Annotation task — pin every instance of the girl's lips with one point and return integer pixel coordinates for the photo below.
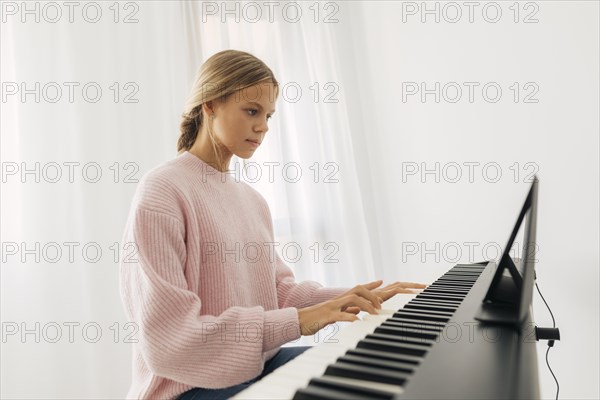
(254, 144)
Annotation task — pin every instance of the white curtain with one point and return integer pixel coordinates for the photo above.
(342, 114)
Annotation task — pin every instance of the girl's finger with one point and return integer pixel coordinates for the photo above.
(345, 317)
(373, 285)
(409, 291)
(406, 285)
(355, 300)
(367, 294)
(413, 285)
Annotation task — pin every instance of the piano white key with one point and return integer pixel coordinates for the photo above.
(349, 336)
(286, 385)
(392, 305)
(295, 374)
(309, 363)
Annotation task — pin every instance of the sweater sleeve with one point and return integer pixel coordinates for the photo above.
(175, 341)
(303, 294)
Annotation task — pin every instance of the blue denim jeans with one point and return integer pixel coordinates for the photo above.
(284, 355)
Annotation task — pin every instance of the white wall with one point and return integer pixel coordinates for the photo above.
(558, 134)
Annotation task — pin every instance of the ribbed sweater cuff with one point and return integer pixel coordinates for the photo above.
(281, 326)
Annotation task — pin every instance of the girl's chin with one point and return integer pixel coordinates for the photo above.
(245, 154)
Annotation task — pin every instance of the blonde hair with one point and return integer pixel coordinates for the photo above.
(219, 77)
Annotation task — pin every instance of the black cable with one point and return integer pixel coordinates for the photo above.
(549, 346)
(548, 364)
(553, 322)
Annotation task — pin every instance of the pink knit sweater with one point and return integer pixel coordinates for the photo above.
(211, 298)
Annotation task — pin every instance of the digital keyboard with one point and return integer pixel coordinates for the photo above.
(424, 346)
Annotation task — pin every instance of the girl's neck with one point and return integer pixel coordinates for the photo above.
(207, 154)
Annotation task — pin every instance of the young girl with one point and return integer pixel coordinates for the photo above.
(211, 319)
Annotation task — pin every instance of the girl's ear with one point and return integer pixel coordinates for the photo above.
(208, 108)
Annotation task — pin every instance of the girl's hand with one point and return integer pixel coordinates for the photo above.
(387, 292)
(393, 289)
(366, 291)
(341, 308)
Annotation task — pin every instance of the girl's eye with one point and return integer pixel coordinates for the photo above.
(253, 110)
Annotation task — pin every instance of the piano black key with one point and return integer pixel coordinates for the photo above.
(431, 307)
(439, 296)
(352, 387)
(442, 289)
(472, 267)
(426, 317)
(462, 273)
(375, 362)
(456, 282)
(473, 276)
(424, 295)
(447, 292)
(442, 292)
(442, 285)
(428, 312)
(455, 303)
(312, 392)
(449, 289)
(469, 267)
(395, 322)
(452, 278)
(464, 286)
(398, 348)
(435, 302)
(447, 285)
(385, 355)
(407, 332)
(353, 371)
(466, 271)
(440, 303)
(457, 277)
(409, 323)
(402, 340)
